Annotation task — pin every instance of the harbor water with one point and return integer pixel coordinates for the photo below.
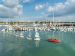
(11, 44)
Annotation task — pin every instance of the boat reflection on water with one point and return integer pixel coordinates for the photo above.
(37, 38)
(37, 42)
(30, 43)
(19, 34)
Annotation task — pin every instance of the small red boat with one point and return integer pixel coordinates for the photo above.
(55, 41)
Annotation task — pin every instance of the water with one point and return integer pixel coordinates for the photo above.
(12, 45)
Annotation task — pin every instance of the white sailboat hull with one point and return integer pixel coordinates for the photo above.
(37, 38)
(29, 38)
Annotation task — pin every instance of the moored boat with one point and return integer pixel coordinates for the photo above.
(54, 41)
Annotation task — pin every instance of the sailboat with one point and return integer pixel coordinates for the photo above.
(37, 37)
(53, 40)
(29, 36)
(21, 35)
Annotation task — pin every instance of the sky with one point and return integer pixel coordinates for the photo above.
(37, 10)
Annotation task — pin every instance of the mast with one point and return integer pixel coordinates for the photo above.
(53, 23)
(29, 34)
(53, 17)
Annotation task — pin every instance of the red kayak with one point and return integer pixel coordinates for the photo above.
(54, 41)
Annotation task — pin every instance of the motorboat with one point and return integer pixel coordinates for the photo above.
(55, 41)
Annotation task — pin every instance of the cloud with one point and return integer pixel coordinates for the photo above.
(26, 1)
(66, 18)
(11, 8)
(11, 3)
(65, 8)
(39, 7)
(56, 7)
(5, 11)
(18, 9)
(59, 9)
